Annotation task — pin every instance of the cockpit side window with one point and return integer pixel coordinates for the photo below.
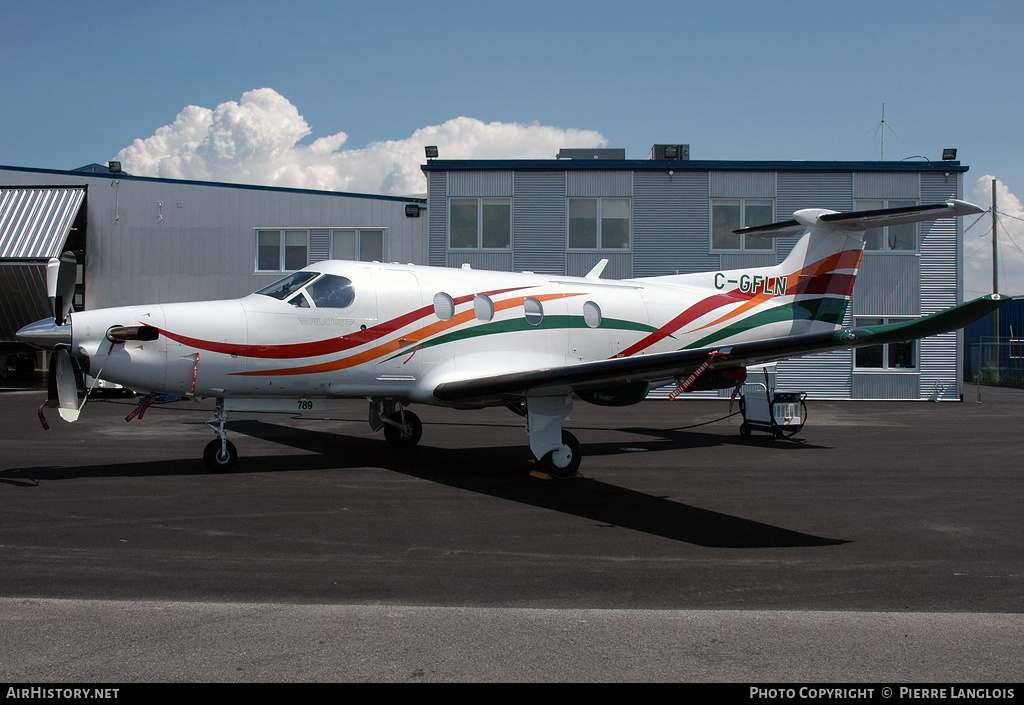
(330, 291)
(283, 288)
(299, 301)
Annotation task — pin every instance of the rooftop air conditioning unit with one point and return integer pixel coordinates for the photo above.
(670, 152)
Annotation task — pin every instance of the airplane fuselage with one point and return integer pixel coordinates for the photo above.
(400, 330)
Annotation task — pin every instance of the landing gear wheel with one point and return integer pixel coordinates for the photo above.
(407, 433)
(218, 461)
(560, 463)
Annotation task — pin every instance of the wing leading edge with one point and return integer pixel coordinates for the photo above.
(663, 367)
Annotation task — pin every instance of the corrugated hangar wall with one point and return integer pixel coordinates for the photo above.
(160, 240)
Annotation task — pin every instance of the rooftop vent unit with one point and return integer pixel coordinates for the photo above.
(670, 152)
(591, 154)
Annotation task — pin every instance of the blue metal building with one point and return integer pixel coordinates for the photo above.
(663, 216)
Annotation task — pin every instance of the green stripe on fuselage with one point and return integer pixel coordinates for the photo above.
(516, 325)
(826, 309)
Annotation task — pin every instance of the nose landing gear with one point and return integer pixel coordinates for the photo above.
(220, 454)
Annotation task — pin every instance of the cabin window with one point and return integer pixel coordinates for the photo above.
(479, 223)
(483, 307)
(598, 223)
(444, 306)
(894, 238)
(731, 214)
(534, 311)
(889, 356)
(592, 314)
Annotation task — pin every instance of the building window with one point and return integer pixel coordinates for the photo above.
(731, 214)
(598, 223)
(893, 238)
(479, 223)
(358, 245)
(890, 356)
(281, 250)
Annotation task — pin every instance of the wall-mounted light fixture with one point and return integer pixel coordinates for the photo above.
(431, 151)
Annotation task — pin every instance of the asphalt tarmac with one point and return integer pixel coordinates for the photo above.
(885, 548)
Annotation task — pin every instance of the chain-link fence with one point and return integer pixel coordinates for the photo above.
(996, 362)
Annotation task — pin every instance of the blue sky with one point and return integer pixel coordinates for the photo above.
(735, 80)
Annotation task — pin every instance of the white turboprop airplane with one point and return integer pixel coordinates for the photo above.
(463, 338)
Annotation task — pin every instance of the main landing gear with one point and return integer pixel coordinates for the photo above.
(402, 428)
(557, 451)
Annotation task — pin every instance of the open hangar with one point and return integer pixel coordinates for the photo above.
(149, 240)
(143, 240)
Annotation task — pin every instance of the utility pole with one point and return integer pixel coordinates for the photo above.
(995, 267)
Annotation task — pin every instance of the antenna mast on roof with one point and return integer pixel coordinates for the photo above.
(880, 129)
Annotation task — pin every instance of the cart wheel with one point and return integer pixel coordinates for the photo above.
(744, 429)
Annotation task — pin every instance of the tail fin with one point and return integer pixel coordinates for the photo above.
(821, 269)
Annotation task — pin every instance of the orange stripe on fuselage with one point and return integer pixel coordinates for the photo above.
(392, 346)
(846, 259)
(840, 260)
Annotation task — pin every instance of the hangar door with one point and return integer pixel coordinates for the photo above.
(36, 224)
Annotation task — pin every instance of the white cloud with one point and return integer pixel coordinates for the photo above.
(978, 243)
(256, 141)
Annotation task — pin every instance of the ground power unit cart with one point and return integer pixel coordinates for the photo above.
(781, 414)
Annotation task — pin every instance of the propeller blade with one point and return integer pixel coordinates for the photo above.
(52, 274)
(67, 388)
(64, 295)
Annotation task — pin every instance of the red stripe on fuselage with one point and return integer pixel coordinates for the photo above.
(327, 346)
(817, 278)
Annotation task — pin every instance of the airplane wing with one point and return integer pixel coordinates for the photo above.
(662, 367)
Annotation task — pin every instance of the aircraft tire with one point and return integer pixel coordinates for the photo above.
(407, 436)
(549, 466)
(211, 456)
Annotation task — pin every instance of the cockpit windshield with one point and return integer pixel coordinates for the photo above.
(327, 291)
(283, 288)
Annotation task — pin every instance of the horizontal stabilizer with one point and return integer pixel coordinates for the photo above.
(858, 221)
(861, 220)
(786, 228)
